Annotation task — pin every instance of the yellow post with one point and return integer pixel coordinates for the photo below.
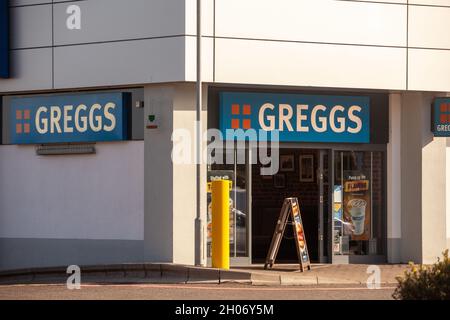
(220, 241)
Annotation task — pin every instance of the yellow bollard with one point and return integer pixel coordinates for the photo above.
(220, 241)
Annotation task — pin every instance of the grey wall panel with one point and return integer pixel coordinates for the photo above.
(119, 63)
(94, 196)
(30, 70)
(110, 20)
(31, 26)
(37, 253)
(2, 124)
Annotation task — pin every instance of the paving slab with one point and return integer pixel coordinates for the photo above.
(233, 276)
(172, 273)
(153, 271)
(203, 275)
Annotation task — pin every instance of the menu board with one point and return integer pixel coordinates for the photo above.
(299, 232)
(290, 213)
(357, 205)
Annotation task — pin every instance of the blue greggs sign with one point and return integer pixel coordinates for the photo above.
(71, 118)
(296, 117)
(4, 39)
(441, 117)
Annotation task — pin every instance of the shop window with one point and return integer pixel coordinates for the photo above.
(234, 170)
(358, 212)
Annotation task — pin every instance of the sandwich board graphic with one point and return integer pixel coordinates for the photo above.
(290, 214)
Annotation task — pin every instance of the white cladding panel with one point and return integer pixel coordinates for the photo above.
(287, 63)
(431, 2)
(207, 59)
(429, 70)
(429, 27)
(316, 21)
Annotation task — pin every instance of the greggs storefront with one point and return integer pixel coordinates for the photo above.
(328, 149)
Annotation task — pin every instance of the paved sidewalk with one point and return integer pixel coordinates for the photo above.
(171, 273)
(323, 274)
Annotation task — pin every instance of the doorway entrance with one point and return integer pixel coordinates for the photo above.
(304, 174)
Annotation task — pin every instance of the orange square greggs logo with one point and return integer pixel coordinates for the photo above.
(23, 121)
(241, 116)
(445, 113)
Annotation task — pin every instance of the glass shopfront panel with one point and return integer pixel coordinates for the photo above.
(358, 208)
(238, 199)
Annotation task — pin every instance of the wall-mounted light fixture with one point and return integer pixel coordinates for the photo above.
(66, 149)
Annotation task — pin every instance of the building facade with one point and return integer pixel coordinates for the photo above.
(93, 93)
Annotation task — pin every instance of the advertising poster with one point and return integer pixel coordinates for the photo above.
(214, 176)
(338, 217)
(357, 205)
(300, 231)
(337, 207)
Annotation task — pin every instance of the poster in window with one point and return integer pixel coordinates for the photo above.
(357, 205)
(213, 176)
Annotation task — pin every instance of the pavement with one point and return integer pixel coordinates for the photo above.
(325, 274)
(255, 275)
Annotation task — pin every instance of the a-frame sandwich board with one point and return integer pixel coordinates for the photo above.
(289, 214)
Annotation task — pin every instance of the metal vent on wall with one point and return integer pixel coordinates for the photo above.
(67, 149)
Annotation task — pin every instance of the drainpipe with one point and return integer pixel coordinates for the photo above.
(200, 240)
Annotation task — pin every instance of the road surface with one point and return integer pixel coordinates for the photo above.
(191, 292)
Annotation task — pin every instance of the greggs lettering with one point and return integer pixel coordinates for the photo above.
(295, 118)
(58, 119)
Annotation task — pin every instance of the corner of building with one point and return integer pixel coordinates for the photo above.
(170, 186)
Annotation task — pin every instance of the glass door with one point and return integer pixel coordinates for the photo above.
(233, 165)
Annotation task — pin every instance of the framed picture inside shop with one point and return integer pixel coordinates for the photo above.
(287, 163)
(279, 181)
(307, 168)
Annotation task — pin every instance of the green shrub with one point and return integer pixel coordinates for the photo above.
(425, 282)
